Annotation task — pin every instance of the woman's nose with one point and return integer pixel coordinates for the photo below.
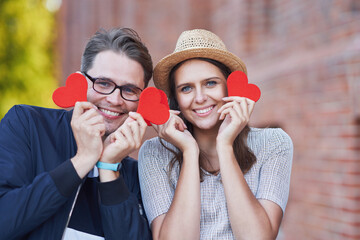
(200, 96)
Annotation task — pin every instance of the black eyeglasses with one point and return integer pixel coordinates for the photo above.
(106, 86)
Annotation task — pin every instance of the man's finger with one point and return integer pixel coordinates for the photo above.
(81, 107)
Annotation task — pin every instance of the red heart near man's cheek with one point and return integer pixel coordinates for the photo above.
(238, 85)
(75, 90)
(153, 106)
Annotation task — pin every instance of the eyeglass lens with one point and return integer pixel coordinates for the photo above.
(128, 92)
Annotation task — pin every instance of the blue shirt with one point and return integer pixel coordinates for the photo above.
(38, 183)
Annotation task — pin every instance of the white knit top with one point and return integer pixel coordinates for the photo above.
(269, 178)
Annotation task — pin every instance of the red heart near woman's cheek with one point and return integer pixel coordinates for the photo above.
(164, 99)
(153, 106)
(238, 85)
(75, 90)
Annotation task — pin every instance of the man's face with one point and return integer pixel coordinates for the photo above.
(121, 70)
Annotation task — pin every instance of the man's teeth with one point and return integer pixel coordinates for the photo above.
(202, 111)
(109, 112)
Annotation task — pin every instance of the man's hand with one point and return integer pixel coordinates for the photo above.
(88, 128)
(126, 139)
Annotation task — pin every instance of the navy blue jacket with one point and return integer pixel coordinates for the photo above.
(38, 182)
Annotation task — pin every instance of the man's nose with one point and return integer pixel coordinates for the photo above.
(115, 98)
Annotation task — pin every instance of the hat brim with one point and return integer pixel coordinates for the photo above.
(164, 66)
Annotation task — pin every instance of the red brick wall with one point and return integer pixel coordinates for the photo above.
(305, 57)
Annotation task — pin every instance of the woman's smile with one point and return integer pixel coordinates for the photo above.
(202, 112)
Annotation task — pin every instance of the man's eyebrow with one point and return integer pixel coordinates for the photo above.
(128, 84)
(104, 78)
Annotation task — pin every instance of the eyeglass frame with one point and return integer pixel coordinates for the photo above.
(92, 79)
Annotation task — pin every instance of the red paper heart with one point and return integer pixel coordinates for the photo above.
(238, 85)
(153, 106)
(75, 90)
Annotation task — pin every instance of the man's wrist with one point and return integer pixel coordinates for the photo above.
(82, 165)
(108, 166)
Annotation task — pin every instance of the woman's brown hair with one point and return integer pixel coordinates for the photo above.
(243, 154)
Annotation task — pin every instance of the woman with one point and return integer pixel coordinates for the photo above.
(210, 176)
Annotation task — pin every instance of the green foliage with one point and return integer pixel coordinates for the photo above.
(27, 69)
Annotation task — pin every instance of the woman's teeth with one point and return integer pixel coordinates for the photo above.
(202, 111)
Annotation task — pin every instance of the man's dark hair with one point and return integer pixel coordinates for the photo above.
(119, 40)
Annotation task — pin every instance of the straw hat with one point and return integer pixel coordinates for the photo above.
(192, 44)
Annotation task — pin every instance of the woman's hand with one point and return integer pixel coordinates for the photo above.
(236, 114)
(174, 131)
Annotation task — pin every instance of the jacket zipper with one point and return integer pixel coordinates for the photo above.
(70, 213)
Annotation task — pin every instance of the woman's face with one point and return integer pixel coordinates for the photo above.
(199, 89)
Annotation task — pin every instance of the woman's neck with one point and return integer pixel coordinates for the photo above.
(206, 140)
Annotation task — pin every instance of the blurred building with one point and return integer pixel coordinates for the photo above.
(305, 57)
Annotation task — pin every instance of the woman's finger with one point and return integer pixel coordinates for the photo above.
(227, 106)
(176, 112)
(251, 105)
(244, 108)
(238, 99)
(233, 98)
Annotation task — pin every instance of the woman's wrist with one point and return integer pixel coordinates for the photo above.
(223, 147)
(189, 147)
(223, 141)
(194, 151)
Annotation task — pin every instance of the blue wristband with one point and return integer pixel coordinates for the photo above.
(109, 166)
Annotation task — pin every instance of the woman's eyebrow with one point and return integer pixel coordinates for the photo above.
(206, 79)
(183, 84)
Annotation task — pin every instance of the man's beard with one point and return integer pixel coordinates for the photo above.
(108, 127)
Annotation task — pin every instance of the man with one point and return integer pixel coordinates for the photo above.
(49, 185)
